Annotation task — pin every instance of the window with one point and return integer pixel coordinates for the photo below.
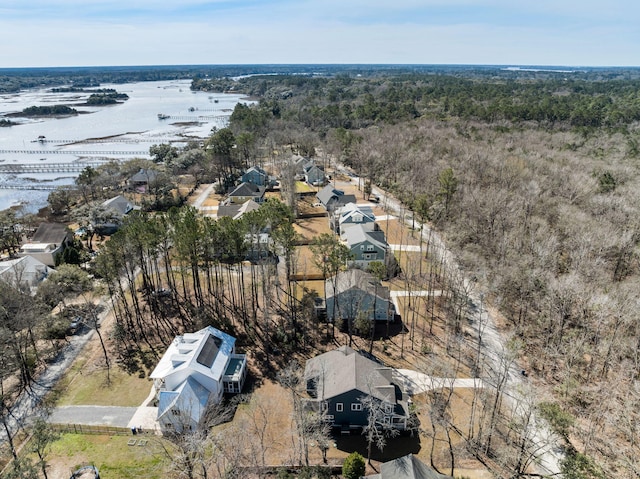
(356, 406)
(362, 247)
(366, 256)
(388, 408)
(369, 247)
(328, 417)
(324, 406)
(339, 407)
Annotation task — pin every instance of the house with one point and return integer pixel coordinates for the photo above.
(141, 180)
(300, 164)
(245, 192)
(356, 292)
(332, 199)
(24, 273)
(116, 208)
(257, 176)
(47, 243)
(314, 175)
(365, 246)
(196, 369)
(406, 467)
(339, 382)
(353, 214)
(236, 210)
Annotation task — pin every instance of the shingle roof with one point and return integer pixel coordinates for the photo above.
(406, 467)
(235, 210)
(248, 189)
(358, 279)
(119, 204)
(357, 234)
(344, 369)
(48, 233)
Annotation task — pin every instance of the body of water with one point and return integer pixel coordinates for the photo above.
(99, 133)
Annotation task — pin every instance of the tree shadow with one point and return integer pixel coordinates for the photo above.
(396, 446)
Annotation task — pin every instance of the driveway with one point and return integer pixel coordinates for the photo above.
(93, 415)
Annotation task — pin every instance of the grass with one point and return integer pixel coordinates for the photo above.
(113, 457)
(84, 384)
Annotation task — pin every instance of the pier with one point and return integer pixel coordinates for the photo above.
(113, 140)
(24, 168)
(193, 118)
(76, 152)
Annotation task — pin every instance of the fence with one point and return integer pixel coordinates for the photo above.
(85, 429)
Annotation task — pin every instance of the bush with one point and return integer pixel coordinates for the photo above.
(353, 466)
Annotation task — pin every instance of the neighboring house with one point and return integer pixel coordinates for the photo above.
(196, 369)
(357, 292)
(24, 273)
(119, 206)
(332, 199)
(236, 210)
(245, 192)
(365, 246)
(257, 176)
(406, 467)
(48, 242)
(314, 175)
(339, 380)
(300, 164)
(352, 214)
(141, 180)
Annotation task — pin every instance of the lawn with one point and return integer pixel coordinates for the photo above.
(112, 455)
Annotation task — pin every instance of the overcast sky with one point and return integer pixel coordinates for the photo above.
(156, 32)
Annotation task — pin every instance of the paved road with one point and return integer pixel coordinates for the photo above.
(518, 393)
(93, 415)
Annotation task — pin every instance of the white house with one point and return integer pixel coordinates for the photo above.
(196, 368)
(49, 241)
(353, 214)
(24, 273)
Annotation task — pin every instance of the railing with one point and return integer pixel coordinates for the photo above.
(96, 430)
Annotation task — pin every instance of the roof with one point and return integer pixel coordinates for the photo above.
(235, 210)
(348, 210)
(185, 353)
(357, 234)
(406, 467)
(48, 233)
(190, 397)
(24, 264)
(144, 176)
(356, 278)
(344, 369)
(329, 193)
(248, 189)
(256, 169)
(120, 205)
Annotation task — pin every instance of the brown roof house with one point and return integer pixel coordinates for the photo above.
(48, 243)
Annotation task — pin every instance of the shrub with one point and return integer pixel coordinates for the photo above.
(353, 466)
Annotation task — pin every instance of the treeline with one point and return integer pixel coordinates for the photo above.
(342, 101)
(49, 110)
(107, 98)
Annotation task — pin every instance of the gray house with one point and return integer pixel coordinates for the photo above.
(257, 176)
(245, 192)
(355, 292)
(406, 467)
(365, 246)
(314, 175)
(339, 381)
(116, 208)
(48, 242)
(332, 199)
(353, 214)
(237, 210)
(141, 180)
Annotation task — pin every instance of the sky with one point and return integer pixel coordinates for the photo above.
(49, 33)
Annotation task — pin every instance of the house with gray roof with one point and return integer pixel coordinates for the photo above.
(332, 198)
(245, 192)
(116, 208)
(357, 292)
(365, 246)
(141, 180)
(197, 368)
(406, 467)
(24, 273)
(237, 210)
(47, 243)
(259, 177)
(314, 175)
(353, 214)
(339, 381)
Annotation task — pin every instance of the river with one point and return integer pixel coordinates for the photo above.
(122, 131)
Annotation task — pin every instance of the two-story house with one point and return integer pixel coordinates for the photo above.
(353, 214)
(196, 368)
(344, 384)
(245, 192)
(365, 246)
(356, 292)
(47, 243)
